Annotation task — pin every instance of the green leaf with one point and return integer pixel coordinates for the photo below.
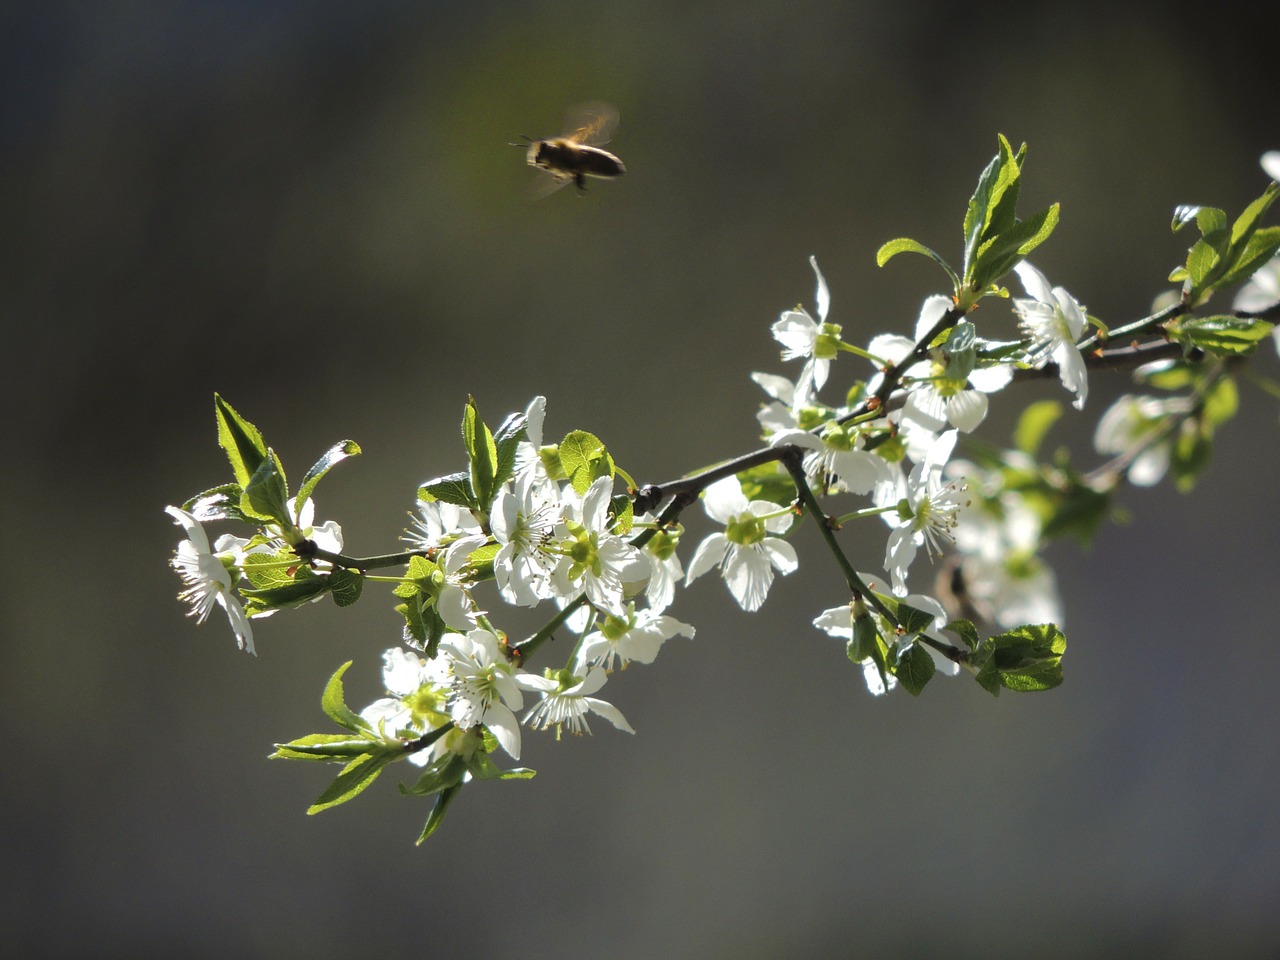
(914, 669)
(1002, 253)
(506, 441)
(334, 455)
(1222, 335)
(1191, 453)
(1077, 511)
(482, 451)
(1221, 403)
(441, 774)
(1025, 659)
(345, 585)
(977, 214)
(584, 458)
(1034, 423)
(1168, 374)
(334, 704)
(965, 630)
(218, 503)
(913, 620)
(353, 780)
(243, 443)
(907, 245)
(266, 493)
(623, 514)
(275, 585)
(443, 799)
(454, 488)
(324, 746)
(1257, 250)
(865, 639)
(1247, 222)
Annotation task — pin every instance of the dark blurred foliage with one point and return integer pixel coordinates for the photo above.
(312, 208)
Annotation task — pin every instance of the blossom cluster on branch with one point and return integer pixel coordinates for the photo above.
(561, 526)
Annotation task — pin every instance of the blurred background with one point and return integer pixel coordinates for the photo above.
(312, 209)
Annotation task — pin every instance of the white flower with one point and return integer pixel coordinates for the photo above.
(438, 522)
(567, 702)
(635, 636)
(454, 603)
(745, 552)
(939, 399)
(326, 536)
(417, 701)
(486, 688)
(208, 581)
(665, 570)
(926, 512)
(1271, 164)
(787, 408)
(1134, 421)
(835, 460)
(592, 558)
(1053, 321)
(523, 520)
(527, 459)
(815, 340)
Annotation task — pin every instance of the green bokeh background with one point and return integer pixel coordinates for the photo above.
(311, 208)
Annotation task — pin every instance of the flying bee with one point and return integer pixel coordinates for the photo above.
(573, 157)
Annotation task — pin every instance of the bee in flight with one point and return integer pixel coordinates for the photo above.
(573, 157)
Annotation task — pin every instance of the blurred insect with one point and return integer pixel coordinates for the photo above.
(573, 157)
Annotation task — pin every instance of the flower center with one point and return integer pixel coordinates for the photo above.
(745, 529)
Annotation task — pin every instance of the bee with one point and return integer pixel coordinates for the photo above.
(573, 157)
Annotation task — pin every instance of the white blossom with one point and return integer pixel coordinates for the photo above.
(637, 635)
(816, 341)
(746, 554)
(566, 703)
(207, 578)
(1053, 321)
(926, 512)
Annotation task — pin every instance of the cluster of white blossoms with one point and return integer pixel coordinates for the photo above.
(901, 460)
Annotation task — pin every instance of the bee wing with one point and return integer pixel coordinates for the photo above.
(591, 123)
(546, 185)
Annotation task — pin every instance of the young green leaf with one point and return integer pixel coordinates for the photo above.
(345, 586)
(335, 454)
(1034, 423)
(914, 669)
(443, 799)
(584, 458)
(334, 704)
(243, 443)
(482, 452)
(907, 245)
(353, 780)
(324, 746)
(454, 488)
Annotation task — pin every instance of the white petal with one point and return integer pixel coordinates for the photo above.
(824, 295)
(991, 379)
(504, 726)
(837, 621)
(710, 552)
(931, 311)
(724, 500)
(1035, 282)
(781, 554)
(609, 712)
(1271, 164)
(797, 332)
(967, 409)
(780, 388)
(748, 574)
